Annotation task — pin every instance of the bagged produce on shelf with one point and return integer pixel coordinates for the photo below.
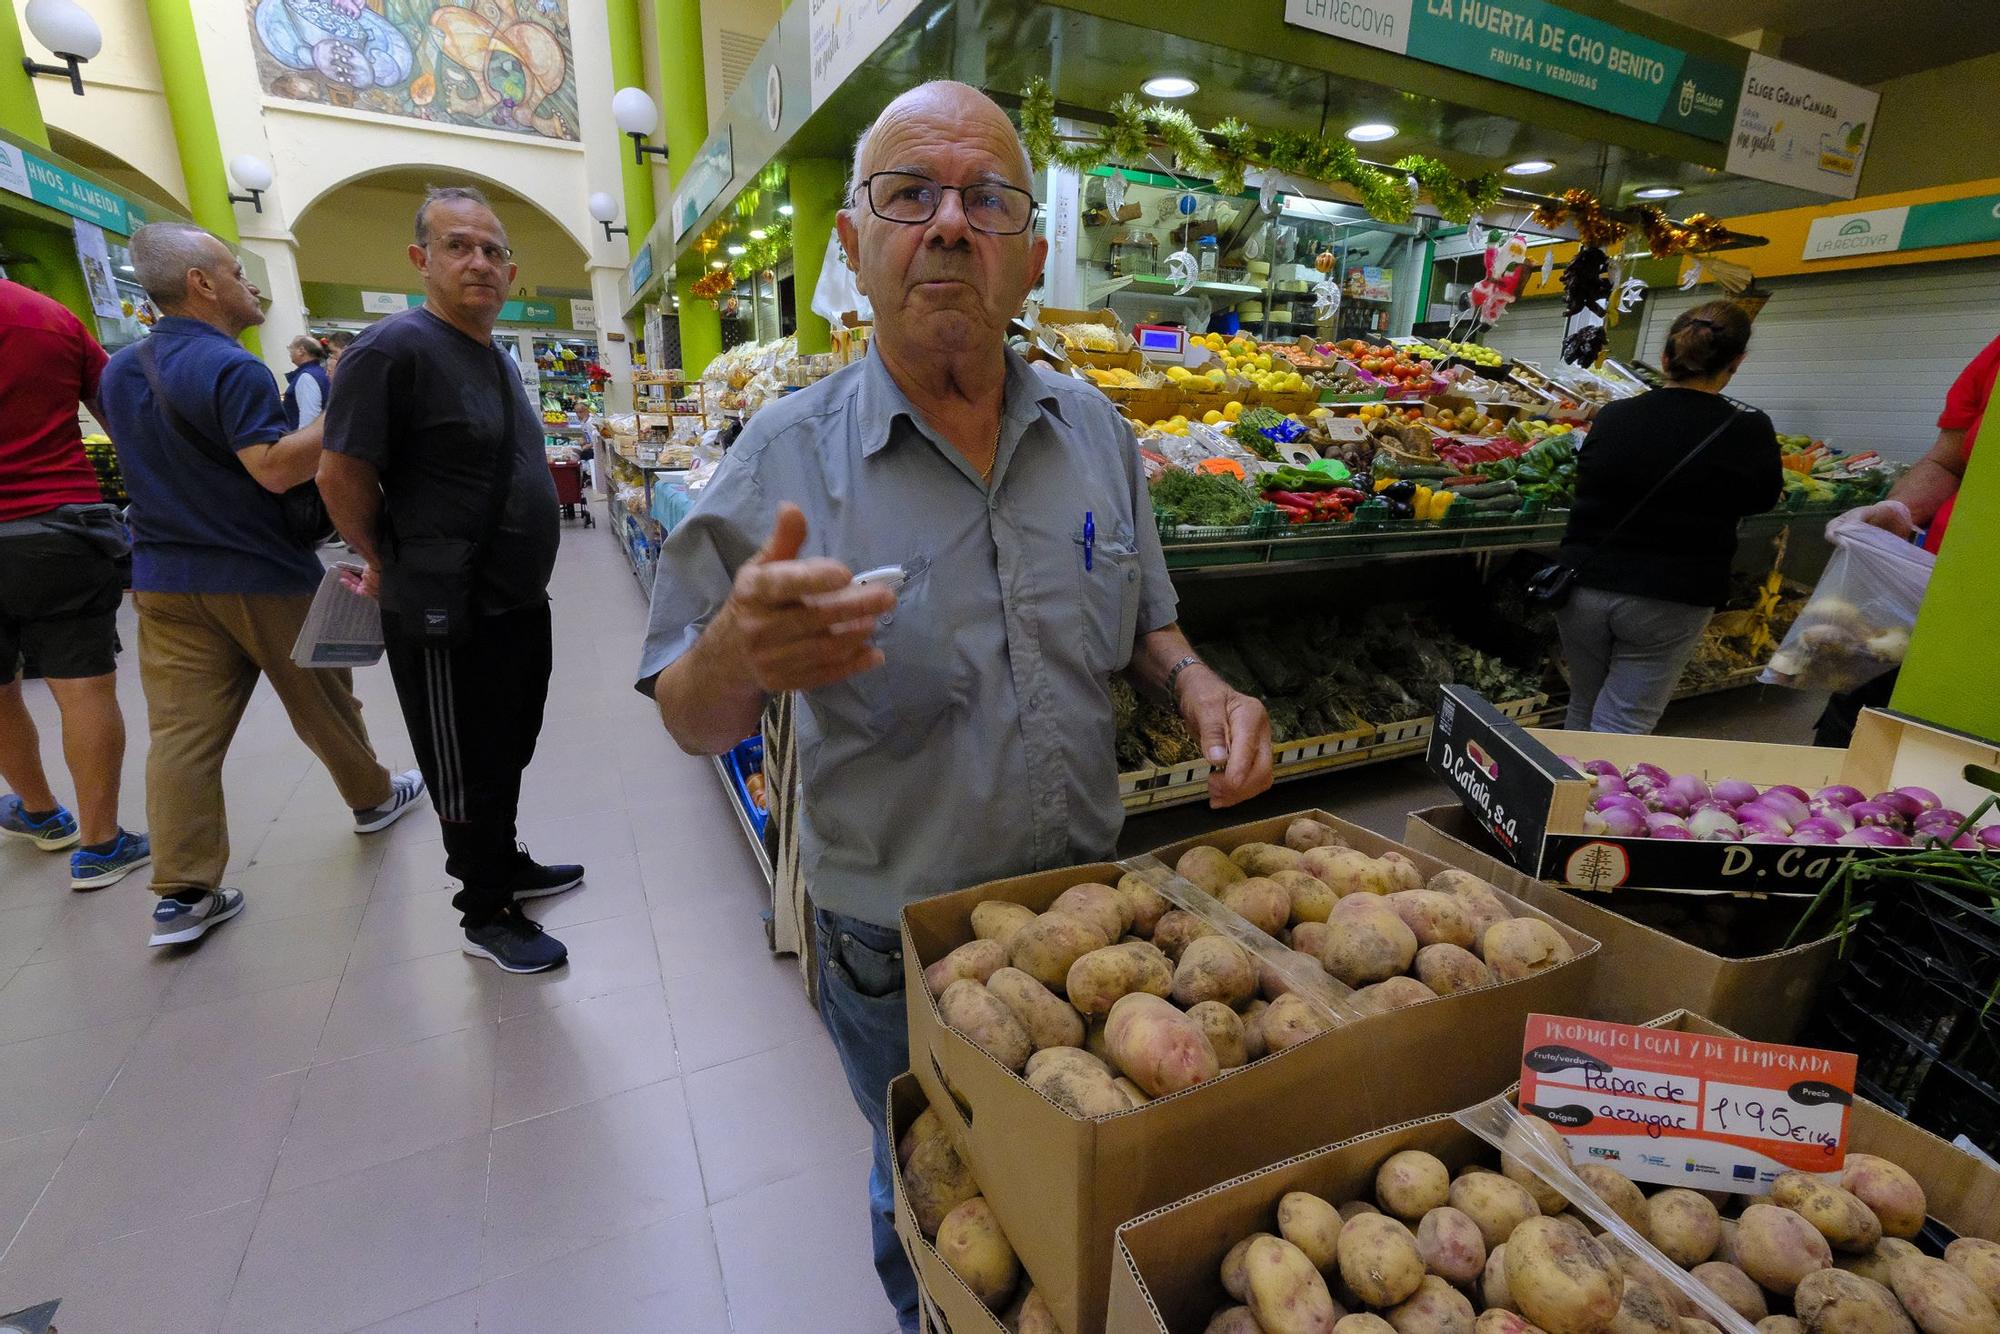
(1857, 624)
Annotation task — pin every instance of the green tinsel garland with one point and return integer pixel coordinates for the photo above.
(760, 255)
(1223, 152)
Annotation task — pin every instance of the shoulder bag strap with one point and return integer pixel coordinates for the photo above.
(1735, 411)
(177, 424)
(501, 477)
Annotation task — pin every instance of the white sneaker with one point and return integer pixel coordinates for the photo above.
(404, 793)
(177, 923)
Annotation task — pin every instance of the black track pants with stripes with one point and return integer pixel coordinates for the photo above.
(474, 713)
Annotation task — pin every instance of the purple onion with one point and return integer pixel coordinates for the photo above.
(1943, 815)
(1788, 802)
(1797, 793)
(1875, 836)
(1623, 821)
(1712, 824)
(1840, 793)
(1690, 787)
(1876, 813)
(1764, 836)
(1807, 835)
(1593, 823)
(1834, 812)
(1659, 820)
(1604, 785)
(1671, 832)
(1923, 796)
(1990, 836)
(1754, 819)
(1942, 839)
(1619, 799)
(1829, 828)
(1652, 771)
(1599, 767)
(1642, 785)
(1734, 792)
(1908, 807)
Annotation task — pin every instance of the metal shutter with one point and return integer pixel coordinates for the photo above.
(1530, 331)
(1859, 359)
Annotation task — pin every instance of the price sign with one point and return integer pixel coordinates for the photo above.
(1686, 1109)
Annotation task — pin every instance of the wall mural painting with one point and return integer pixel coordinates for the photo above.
(494, 64)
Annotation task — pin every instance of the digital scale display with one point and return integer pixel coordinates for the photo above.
(1160, 340)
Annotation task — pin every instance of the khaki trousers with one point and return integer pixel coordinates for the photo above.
(200, 655)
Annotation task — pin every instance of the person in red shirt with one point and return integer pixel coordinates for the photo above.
(60, 589)
(1923, 498)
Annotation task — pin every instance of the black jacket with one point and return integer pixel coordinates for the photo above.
(1680, 545)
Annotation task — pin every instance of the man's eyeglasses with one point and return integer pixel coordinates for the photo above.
(901, 196)
(458, 248)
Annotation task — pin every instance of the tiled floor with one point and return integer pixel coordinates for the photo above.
(327, 1119)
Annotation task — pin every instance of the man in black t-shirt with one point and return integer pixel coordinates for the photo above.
(431, 440)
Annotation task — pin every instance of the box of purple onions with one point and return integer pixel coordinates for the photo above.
(1599, 812)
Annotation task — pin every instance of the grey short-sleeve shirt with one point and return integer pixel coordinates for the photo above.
(983, 747)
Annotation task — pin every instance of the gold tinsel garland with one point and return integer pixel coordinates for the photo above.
(1664, 237)
(713, 284)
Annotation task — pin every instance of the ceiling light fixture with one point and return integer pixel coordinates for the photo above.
(1373, 132)
(1657, 192)
(758, 233)
(736, 250)
(1169, 85)
(716, 264)
(1533, 166)
(785, 210)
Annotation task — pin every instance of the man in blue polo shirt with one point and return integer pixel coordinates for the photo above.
(220, 582)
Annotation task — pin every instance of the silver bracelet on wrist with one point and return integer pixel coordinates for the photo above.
(1174, 676)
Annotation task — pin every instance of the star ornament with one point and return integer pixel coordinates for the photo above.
(1114, 190)
(1182, 270)
(1326, 299)
(1630, 293)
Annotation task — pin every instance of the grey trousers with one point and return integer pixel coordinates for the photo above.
(1625, 653)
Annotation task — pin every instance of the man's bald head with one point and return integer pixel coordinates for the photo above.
(958, 101)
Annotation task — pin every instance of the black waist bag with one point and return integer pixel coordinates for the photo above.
(427, 582)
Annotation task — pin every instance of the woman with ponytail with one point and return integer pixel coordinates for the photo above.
(306, 384)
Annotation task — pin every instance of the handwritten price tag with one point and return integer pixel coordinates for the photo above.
(1686, 1109)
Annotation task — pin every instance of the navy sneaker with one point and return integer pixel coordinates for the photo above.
(95, 870)
(515, 943)
(404, 792)
(51, 833)
(177, 923)
(534, 881)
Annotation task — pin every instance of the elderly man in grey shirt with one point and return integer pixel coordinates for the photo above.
(957, 727)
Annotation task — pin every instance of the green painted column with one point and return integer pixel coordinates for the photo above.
(628, 70)
(816, 184)
(684, 108)
(1951, 651)
(20, 108)
(193, 115)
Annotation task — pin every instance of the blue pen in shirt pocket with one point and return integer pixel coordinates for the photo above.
(1089, 539)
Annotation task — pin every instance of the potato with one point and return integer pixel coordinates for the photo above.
(1435, 1308)
(1565, 1283)
(971, 1243)
(1447, 969)
(1833, 1301)
(1082, 1090)
(1312, 898)
(1223, 1028)
(1352, 1209)
(1392, 993)
(1036, 1318)
(1941, 1298)
(1437, 919)
(1097, 904)
(1233, 1320)
(1978, 1260)
(1099, 978)
(1840, 1215)
(1363, 1322)
(1208, 869)
(1778, 1248)
(1288, 1021)
(1364, 947)
(1176, 929)
(1156, 1046)
(998, 920)
(1046, 947)
(1484, 914)
(1145, 904)
(1287, 1293)
(1312, 1225)
(1254, 1045)
(1310, 938)
(1644, 1309)
(1410, 1184)
(1265, 904)
(1346, 871)
(1304, 834)
(987, 1023)
(1642, 1274)
(1780, 1324)
(1075, 1057)
(976, 959)
(1048, 1020)
(1493, 1282)
(1095, 1042)
(1521, 947)
(1133, 1093)
(1532, 1130)
(1616, 1190)
(1257, 859)
(1496, 1204)
(935, 1178)
(1498, 1320)
(1379, 1259)
(1691, 1325)
(1451, 1245)
(1894, 1195)
(1403, 873)
(1213, 968)
(1873, 1264)
(1684, 1225)
(1292, 970)
(1235, 1277)
(1451, 880)
(1735, 1287)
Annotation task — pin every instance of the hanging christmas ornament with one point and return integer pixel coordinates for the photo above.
(1548, 264)
(1473, 224)
(1586, 285)
(1692, 278)
(1504, 277)
(1114, 191)
(1267, 192)
(1187, 204)
(1630, 293)
(1326, 299)
(1324, 261)
(1510, 253)
(1583, 340)
(1182, 270)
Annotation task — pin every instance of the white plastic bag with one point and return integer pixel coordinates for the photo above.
(1857, 623)
(835, 294)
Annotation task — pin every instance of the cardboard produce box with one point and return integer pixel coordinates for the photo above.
(1125, 355)
(1062, 1185)
(1513, 782)
(1165, 1279)
(945, 1304)
(1762, 989)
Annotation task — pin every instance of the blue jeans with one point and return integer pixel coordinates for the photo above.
(861, 1003)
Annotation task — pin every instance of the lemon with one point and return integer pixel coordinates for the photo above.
(1211, 418)
(1232, 409)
